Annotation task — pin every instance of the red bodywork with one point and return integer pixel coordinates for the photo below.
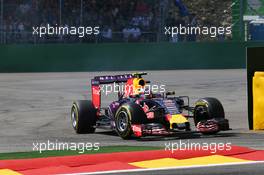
(96, 96)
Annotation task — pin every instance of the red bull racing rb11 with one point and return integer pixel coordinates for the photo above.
(137, 113)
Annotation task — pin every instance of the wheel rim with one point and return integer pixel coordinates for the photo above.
(201, 111)
(122, 121)
(74, 118)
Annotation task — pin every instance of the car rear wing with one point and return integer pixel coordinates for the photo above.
(109, 79)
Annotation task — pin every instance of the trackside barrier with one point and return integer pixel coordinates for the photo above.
(255, 63)
(123, 57)
(258, 101)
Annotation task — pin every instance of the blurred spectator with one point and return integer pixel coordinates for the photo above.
(183, 11)
(136, 33)
(131, 33)
(107, 34)
(126, 33)
(142, 8)
(192, 23)
(129, 20)
(114, 13)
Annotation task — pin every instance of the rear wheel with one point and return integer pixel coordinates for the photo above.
(83, 117)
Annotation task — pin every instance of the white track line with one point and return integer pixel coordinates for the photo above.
(167, 168)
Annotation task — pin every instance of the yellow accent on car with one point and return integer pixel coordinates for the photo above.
(258, 101)
(178, 119)
(201, 103)
(138, 85)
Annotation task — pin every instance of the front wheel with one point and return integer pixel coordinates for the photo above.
(207, 113)
(83, 117)
(127, 115)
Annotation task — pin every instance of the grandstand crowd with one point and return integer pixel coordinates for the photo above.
(120, 20)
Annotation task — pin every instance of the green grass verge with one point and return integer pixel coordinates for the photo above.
(107, 149)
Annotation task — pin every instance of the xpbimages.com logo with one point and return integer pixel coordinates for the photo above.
(56, 30)
(213, 32)
(80, 147)
(124, 88)
(192, 146)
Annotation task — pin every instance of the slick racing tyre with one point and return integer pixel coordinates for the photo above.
(207, 112)
(127, 115)
(83, 117)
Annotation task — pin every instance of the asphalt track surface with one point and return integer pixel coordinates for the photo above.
(35, 107)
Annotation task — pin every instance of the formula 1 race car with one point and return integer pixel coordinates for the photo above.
(138, 113)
